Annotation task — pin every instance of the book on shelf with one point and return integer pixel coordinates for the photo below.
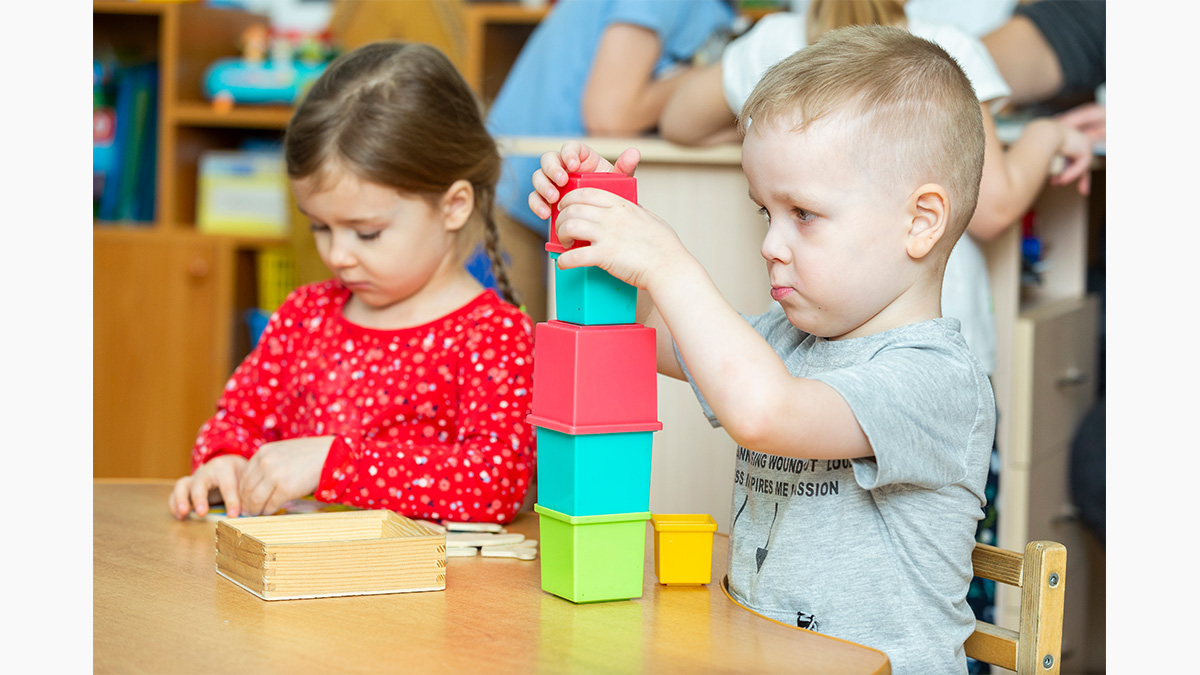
(127, 194)
(103, 130)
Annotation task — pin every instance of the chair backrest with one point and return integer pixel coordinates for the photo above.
(1041, 575)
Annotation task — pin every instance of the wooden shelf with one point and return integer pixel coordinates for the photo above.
(128, 7)
(505, 12)
(169, 299)
(185, 232)
(201, 114)
(125, 226)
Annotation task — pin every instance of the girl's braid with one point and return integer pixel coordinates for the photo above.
(491, 243)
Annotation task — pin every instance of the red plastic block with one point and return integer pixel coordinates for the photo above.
(618, 184)
(594, 379)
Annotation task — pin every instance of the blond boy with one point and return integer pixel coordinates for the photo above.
(864, 424)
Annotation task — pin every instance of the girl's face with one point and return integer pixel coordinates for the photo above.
(387, 247)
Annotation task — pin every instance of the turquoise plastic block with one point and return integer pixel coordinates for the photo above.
(592, 558)
(589, 296)
(594, 474)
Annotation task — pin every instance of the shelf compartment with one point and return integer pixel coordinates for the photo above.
(202, 114)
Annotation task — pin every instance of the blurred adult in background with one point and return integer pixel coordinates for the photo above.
(1052, 52)
(599, 68)
(703, 110)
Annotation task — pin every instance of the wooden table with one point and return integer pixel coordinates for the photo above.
(159, 606)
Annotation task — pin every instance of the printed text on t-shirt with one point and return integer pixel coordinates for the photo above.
(783, 488)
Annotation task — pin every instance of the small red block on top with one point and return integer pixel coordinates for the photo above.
(618, 184)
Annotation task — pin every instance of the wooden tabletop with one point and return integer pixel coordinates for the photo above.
(159, 606)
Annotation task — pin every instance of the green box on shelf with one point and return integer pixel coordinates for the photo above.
(594, 474)
(592, 558)
(589, 296)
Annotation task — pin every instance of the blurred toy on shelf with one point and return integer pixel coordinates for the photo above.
(276, 67)
(1033, 262)
(104, 125)
(242, 192)
(276, 268)
(256, 41)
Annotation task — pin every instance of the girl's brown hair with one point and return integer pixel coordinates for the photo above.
(400, 114)
(827, 15)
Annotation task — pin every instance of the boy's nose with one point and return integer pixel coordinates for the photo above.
(773, 247)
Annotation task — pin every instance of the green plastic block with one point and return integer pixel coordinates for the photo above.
(592, 558)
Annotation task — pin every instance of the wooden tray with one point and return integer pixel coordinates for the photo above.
(330, 554)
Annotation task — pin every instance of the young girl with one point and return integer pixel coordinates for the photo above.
(401, 383)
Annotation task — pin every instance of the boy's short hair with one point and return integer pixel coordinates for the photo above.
(916, 107)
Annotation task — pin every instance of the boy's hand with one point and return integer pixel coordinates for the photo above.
(282, 471)
(573, 157)
(217, 478)
(627, 241)
(1077, 150)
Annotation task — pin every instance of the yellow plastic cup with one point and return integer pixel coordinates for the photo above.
(683, 548)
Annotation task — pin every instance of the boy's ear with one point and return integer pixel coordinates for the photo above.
(456, 205)
(929, 213)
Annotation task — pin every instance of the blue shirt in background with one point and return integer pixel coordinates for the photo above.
(542, 95)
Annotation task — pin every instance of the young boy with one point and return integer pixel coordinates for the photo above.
(864, 424)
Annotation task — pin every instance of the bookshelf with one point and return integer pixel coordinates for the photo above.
(167, 298)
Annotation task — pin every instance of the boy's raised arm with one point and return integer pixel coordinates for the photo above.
(760, 404)
(648, 315)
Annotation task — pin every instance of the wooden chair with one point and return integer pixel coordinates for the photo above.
(1041, 576)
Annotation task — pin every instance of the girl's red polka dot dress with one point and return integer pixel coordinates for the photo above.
(428, 421)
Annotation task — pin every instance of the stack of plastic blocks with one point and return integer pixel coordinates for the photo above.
(595, 408)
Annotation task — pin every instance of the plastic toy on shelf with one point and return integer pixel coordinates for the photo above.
(275, 68)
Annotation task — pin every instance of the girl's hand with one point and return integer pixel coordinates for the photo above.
(573, 157)
(282, 471)
(1076, 149)
(212, 482)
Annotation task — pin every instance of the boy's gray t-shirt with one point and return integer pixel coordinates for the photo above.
(873, 550)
